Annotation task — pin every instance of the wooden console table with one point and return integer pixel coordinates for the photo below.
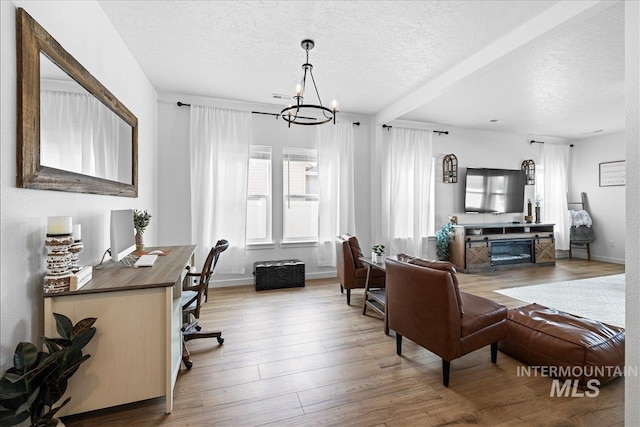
(137, 349)
(481, 247)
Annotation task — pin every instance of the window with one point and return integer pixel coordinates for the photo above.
(300, 191)
(259, 195)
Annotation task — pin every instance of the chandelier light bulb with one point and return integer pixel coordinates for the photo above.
(334, 105)
(298, 89)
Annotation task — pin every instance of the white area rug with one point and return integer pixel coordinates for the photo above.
(598, 298)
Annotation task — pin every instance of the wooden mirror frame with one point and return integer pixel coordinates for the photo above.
(32, 39)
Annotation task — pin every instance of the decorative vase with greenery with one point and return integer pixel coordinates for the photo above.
(443, 237)
(140, 222)
(377, 253)
(38, 379)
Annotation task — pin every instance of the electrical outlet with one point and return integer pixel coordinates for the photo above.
(612, 244)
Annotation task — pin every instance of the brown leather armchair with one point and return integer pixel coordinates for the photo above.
(352, 273)
(425, 305)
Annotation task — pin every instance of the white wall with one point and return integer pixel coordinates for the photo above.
(174, 199)
(482, 149)
(606, 205)
(632, 244)
(473, 148)
(84, 31)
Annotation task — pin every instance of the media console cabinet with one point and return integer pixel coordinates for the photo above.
(482, 247)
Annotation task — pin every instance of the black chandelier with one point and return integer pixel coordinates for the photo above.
(308, 114)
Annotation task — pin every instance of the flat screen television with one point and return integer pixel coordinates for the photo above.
(494, 190)
(123, 240)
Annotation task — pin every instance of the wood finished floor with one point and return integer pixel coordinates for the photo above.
(302, 357)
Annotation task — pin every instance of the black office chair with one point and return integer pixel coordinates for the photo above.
(192, 299)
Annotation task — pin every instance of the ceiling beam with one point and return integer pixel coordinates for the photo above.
(548, 20)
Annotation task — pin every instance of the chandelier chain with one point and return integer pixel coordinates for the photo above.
(324, 113)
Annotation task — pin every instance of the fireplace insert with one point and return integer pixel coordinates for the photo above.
(512, 252)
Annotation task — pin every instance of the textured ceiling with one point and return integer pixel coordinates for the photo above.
(370, 55)
(569, 83)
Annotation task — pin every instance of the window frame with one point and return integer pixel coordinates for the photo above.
(297, 154)
(263, 152)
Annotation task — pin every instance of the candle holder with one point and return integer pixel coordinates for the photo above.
(75, 248)
(74, 251)
(58, 263)
(528, 218)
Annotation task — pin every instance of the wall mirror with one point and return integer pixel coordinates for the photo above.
(73, 134)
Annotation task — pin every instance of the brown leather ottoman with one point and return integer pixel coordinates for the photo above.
(565, 346)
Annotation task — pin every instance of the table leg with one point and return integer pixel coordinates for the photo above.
(386, 311)
(366, 289)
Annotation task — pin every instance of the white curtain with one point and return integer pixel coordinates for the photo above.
(79, 134)
(555, 160)
(219, 142)
(336, 209)
(406, 175)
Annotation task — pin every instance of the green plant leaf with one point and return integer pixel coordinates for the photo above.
(54, 411)
(82, 339)
(52, 345)
(11, 376)
(82, 326)
(45, 364)
(74, 367)
(443, 237)
(25, 356)
(378, 249)
(26, 405)
(140, 220)
(10, 418)
(63, 325)
(11, 390)
(39, 379)
(55, 390)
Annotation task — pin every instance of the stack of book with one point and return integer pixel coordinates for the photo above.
(81, 278)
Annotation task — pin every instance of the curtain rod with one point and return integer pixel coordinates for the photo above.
(542, 142)
(182, 104)
(439, 132)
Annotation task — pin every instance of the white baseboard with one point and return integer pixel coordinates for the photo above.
(582, 254)
(321, 275)
(606, 259)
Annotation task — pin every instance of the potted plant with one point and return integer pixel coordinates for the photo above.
(443, 238)
(38, 379)
(140, 222)
(377, 254)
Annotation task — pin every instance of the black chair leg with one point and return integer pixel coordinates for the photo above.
(398, 344)
(446, 366)
(494, 352)
(348, 296)
(341, 289)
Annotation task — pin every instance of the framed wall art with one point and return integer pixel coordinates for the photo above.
(612, 173)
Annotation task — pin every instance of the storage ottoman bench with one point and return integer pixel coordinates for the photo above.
(286, 273)
(563, 345)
